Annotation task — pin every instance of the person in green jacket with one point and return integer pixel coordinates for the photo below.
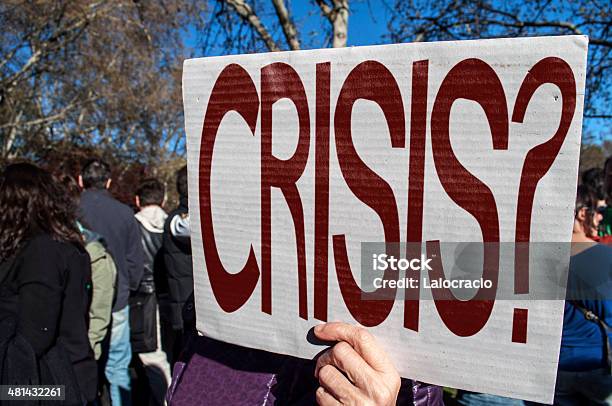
(103, 274)
(103, 277)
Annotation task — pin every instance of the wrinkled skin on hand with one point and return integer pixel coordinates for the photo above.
(356, 370)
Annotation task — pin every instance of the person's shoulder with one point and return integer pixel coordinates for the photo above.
(175, 215)
(46, 243)
(589, 267)
(179, 211)
(95, 249)
(597, 254)
(117, 207)
(107, 198)
(605, 250)
(68, 249)
(87, 194)
(127, 210)
(44, 250)
(171, 215)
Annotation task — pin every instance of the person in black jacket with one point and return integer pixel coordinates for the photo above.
(45, 280)
(116, 223)
(144, 315)
(177, 259)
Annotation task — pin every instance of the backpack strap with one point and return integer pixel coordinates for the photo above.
(605, 328)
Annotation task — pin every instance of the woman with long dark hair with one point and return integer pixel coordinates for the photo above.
(45, 286)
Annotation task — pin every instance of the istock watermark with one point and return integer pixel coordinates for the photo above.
(440, 283)
(436, 270)
(382, 262)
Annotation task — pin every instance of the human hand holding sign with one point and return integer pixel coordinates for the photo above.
(356, 370)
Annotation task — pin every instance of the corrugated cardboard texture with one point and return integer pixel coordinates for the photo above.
(465, 188)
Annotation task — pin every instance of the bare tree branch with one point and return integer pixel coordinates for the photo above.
(49, 118)
(341, 9)
(338, 17)
(423, 20)
(12, 135)
(59, 39)
(288, 26)
(68, 81)
(601, 116)
(326, 9)
(245, 11)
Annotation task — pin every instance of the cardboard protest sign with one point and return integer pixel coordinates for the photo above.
(297, 158)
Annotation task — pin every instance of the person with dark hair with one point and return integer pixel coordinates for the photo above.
(116, 223)
(605, 229)
(593, 179)
(104, 283)
(96, 174)
(177, 259)
(150, 195)
(585, 359)
(144, 314)
(103, 276)
(45, 277)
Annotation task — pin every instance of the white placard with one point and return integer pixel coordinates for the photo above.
(296, 158)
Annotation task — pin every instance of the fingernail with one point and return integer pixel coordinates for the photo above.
(318, 328)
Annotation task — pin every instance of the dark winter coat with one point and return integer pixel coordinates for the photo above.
(45, 294)
(177, 260)
(115, 221)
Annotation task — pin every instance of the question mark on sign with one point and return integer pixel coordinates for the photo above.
(537, 163)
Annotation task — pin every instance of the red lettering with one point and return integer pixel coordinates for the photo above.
(471, 79)
(230, 290)
(369, 80)
(321, 214)
(278, 81)
(475, 80)
(416, 176)
(540, 158)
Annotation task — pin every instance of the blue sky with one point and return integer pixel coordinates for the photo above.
(367, 26)
(367, 21)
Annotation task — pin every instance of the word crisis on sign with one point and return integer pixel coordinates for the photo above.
(296, 158)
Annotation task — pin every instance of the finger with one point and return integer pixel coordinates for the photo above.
(324, 398)
(360, 339)
(338, 385)
(346, 359)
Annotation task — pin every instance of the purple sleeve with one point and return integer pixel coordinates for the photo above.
(425, 394)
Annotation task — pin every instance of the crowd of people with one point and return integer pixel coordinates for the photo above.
(97, 295)
(84, 286)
